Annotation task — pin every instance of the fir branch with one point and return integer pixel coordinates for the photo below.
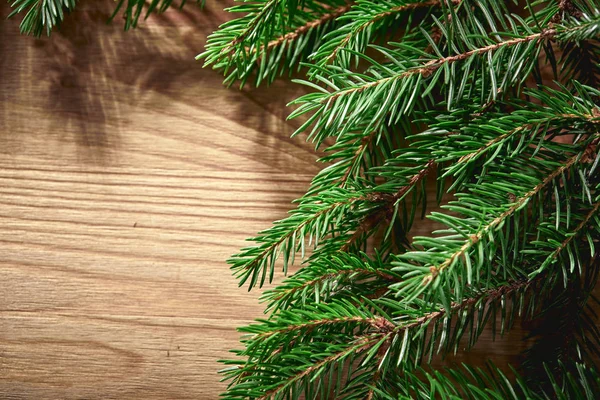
(303, 29)
(378, 338)
(331, 276)
(325, 277)
(473, 383)
(48, 14)
(430, 67)
(364, 21)
(486, 299)
(291, 233)
(368, 222)
(362, 105)
(351, 158)
(537, 287)
(482, 232)
(357, 347)
(377, 323)
(489, 295)
(568, 240)
(448, 262)
(273, 36)
(530, 291)
(521, 129)
(312, 219)
(510, 133)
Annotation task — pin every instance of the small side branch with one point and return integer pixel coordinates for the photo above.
(377, 17)
(308, 26)
(430, 67)
(475, 238)
(389, 201)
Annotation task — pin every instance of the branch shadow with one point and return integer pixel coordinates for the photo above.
(79, 85)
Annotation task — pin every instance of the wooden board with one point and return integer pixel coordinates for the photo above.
(128, 174)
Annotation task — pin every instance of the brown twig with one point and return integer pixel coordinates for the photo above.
(358, 347)
(579, 227)
(289, 35)
(378, 323)
(377, 17)
(430, 67)
(475, 238)
(309, 25)
(382, 212)
(332, 275)
(364, 144)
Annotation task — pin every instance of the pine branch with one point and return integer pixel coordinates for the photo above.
(350, 159)
(272, 37)
(450, 265)
(325, 277)
(347, 107)
(364, 18)
(517, 205)
(499, 140)
(313, 217)
(488, 295)
(376, 341)
(521, 165)
(359, 347)
(430, 67)
(40, 14)
(48, 14)
(552, 258)
(474, 383)
(368, 222)
(488, 137)
(331, 206)
(307, 353)
(303, 29)
(377, 323)
(372, 341)
(525, 294)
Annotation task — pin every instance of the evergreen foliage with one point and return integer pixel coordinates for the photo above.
(495, 105)
(43, 15)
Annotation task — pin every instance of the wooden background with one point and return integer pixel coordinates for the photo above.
(128, 174)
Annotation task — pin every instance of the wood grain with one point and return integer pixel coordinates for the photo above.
(128, 174)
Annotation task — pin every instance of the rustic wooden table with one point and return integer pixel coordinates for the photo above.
(128, 174)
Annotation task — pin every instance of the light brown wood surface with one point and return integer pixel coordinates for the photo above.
(128, 175)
